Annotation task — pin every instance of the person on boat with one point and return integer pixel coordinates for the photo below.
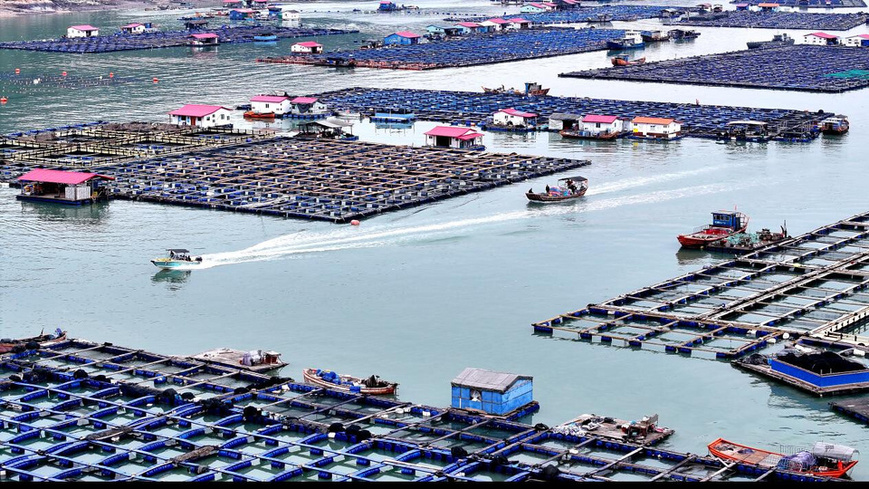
(531, 190)
(547, 189)
(572, 186)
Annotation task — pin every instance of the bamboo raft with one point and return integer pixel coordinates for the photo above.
(85, 411)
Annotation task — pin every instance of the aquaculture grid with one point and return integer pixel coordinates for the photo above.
(814, 284)
(775, 20)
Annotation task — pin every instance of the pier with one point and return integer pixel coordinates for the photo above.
(471, 50)
(84, 411)
(774, 20)
(164, 39)
(813, 285)
(801, 67)
(476, 108)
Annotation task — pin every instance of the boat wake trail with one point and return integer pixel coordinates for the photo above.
(352, 237)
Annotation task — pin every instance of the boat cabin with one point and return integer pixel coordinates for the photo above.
(82, 31)
(860, 40)
(454, 137)
(309, 47)
(307, 107)
(403, 38)
(387, 6)
(655, 128)
(514, 118)
(201, 115)
(274, 104)
(491, 392)
(729, 219)
(204, 39)
(821, 39)
(602, 124)
(741, 6)
(62, 187)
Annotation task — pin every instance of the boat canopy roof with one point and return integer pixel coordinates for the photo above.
(835, 452)
(753, 123)
(177, 250)
(576, 179)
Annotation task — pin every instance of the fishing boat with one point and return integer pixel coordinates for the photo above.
(624, 60)
(330, 380)
(578, 133)
(631, 40)
(570, 188)
(777, 40)
(259, 115)
(682, 34)
(177, 258)
(824, 459)
(724, 224)
(40, 341)
(654, 36)
(834, 125)
(255, 360)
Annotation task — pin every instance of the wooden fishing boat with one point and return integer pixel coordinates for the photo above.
(574, 133)
(40, 341)
(330, 380)
(623, 60)
(632, 40)
(834, 125)
(259, 115)
(724, 224)
(571, 188)
(824, 459)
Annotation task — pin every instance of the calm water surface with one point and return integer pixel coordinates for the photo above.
(417, 295)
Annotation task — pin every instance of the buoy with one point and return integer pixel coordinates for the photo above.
(3, 100)
(155, 79)
(111, 75)
(17, 71)
(354, 222)
(63, 74)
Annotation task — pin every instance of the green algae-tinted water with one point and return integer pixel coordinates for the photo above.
(417, 295)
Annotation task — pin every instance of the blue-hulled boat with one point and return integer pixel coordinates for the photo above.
(631, 40)
(178, 258)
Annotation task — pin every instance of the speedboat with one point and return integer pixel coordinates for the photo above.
(178, 258)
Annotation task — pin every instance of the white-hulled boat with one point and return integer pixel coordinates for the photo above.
(178, 258)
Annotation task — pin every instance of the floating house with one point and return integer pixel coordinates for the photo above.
(82, 31)
(491, 392)
(495, 24)
(62, 187)
(564, 120)
(195, 24)
(741, 6)
(436, 31)
(204, 39)
(401, 38)
(307, 108)
(275, 104)
(768, 7)
(309, 47)
(655, 128)
(514, 118)
(821, 39)
(290, 16)
(860, 40)
(598, 124)
(200, 115)
(454, 137)
(470, 27)
(136, 28)
(518, 23)
(533, 8)
(242, 14)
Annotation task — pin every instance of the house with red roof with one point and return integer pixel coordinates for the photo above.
(821, 39)
(518, 23)
(134, 28)
(402, 38)
(454, 137)
(512, 118)
(82, 31)
(274, 104)
(470, 27)
(655, 128)
(309, 47)
(598, 124)
(62, 187)
(204, 39)
(860, 40)
(496, 24)
(201, 115)
(307, 108)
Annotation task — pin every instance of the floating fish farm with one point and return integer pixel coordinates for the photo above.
(163, 39)
(810, 3)
(588, 14)
(84, 411)
(799, 67)
(856, 408)
(774, 20)
(477, 49)
(319, 179)
(815, 285)
(474, 108)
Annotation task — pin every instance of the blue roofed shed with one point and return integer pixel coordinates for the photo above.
(491, 392)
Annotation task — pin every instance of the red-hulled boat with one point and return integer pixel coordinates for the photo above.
(32, 343)
(623, 60)
(823, 460)
(259, 115)
(724, 224)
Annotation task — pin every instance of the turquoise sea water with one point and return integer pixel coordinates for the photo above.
(417, 295)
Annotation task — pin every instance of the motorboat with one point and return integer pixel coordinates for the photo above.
(328, 379)
(724, 224)
(834, 125)
(569, 188)
(824, 459)
(177, 258)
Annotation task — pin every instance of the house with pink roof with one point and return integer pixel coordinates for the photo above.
(134, 28)
(402, 38)
(496, 24)
(309, 47)
(198, 115)
(470, 27)
(860, 40)
(534, 8)
(515, 119)
(278, 105)
(82, 31)
(599, 124)
(204, 39)
(821, 39)
(307, 108)
(454, 137)
(62, 187)
(518, 23)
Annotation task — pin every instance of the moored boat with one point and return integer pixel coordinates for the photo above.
(834, 125)
(824, 459)
(256, 360)
(259, 115)
(42, 340)
(631, 40)
(777, 40)
(571, 188)
(724, 224)
(178, 258)
(624, 60)
(682, 34)
(575, 133)
(328, 379)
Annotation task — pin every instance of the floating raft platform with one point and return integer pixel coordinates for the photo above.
(857, 408)
(801, 67)
(472, 50)
(644, 432)
(164, 39)
(475, 108)
(588, 14)
(82, 411)
(774, 20)
(810, 3)
(746, 242)
(814, 285)
(812, 382)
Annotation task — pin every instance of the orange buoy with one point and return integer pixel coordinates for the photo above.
(63, 74)
(354, 222)
(111, 75)
(17, 71)
(155, 79)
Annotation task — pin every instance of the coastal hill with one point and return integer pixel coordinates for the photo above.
(18, 7)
